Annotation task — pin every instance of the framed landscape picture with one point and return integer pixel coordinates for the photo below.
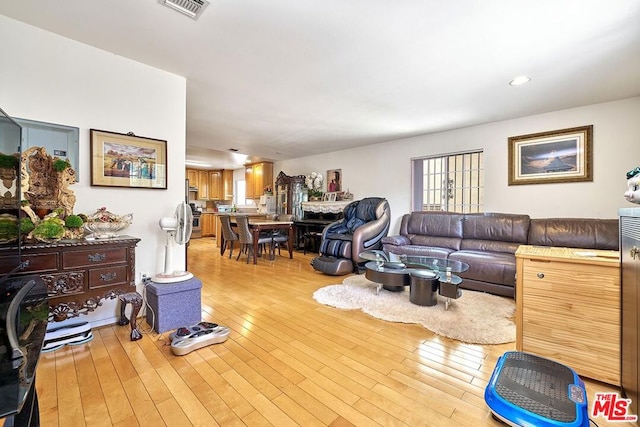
(127, 160)
(548, 157)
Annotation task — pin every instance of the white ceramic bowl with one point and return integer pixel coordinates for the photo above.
(106, 230)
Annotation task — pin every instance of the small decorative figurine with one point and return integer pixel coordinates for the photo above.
(633, 181)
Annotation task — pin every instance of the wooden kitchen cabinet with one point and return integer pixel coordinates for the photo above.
(258, 176)
(227, 184)
(203, 185)
(568, 308)
(248, 177)
(208, 224)
(192, 176)
(215, 185)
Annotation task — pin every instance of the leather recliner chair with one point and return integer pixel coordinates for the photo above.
(364, 224)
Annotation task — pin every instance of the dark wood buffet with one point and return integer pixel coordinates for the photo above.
(80, 274)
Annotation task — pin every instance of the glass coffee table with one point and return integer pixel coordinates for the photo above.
(393, 272)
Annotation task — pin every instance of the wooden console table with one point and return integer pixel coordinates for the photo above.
(568, 308)
(80, 274)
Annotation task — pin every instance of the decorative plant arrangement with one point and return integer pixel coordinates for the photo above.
(52, 227)
(314, 183)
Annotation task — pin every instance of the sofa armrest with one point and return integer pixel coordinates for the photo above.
(396, 240)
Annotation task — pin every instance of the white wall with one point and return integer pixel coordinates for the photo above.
(385, 169)
(49, 78)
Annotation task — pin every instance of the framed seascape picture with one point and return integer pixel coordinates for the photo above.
(548, 157)
(127, 160)
(334, 180)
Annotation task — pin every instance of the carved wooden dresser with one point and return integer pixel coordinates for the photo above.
(80, 274)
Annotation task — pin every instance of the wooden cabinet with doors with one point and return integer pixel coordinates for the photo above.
(203, 185)
(208, 224)
(192, 176)
(80, 274)
(258, 176)
(227, 184)
(568, 308)
(212, 184)
(215, 185)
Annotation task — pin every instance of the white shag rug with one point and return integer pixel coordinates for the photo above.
(475, 317)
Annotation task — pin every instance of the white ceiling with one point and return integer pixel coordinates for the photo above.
(282, 79)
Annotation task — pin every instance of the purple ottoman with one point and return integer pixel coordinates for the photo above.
(172, 305)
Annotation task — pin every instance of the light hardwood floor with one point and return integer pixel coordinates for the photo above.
(288, 361)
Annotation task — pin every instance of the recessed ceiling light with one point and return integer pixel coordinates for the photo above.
(519, 80)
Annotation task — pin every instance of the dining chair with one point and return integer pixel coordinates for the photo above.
(229, 236)
(246, 238)
(280, 237)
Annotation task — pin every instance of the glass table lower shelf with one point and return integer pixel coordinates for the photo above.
(395, 275)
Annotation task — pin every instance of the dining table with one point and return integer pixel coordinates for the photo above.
(259, 225)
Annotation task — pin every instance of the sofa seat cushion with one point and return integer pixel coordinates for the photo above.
(418, 250)
(396, 240)
(452, 243)
(488, 246)
(493, 267)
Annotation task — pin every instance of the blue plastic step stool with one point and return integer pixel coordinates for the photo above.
(528, 390)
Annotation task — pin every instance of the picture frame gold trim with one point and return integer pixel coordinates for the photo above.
(127, 160)
(563, 155)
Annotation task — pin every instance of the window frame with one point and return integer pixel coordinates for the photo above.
(418, 180)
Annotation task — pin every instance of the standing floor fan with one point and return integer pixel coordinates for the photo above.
(178, 229)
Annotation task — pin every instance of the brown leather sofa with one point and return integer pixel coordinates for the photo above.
(488, 241)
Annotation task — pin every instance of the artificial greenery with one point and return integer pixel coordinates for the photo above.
(60, 165)
(8, 228)
(26, 226)
(49, 229)
(73, 221)
(9, 162)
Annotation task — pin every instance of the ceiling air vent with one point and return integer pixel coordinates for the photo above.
(192, 8)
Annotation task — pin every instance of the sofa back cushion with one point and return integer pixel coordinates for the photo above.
(442, 224)
(439, 229)
(586, 233)
(497, 227)
(495, 232)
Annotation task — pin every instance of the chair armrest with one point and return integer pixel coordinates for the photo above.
(368, 236)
